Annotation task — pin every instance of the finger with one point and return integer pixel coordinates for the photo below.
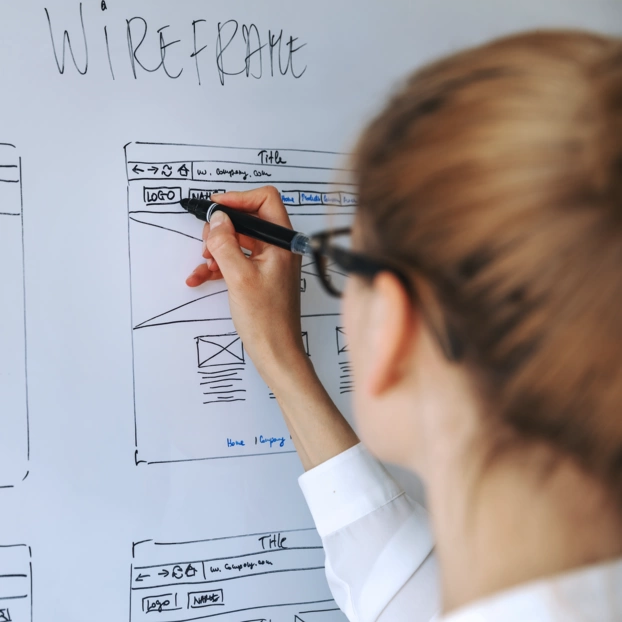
(201, 275)
(224, 247)
(249, 244)
(265, 202)
(205, 251)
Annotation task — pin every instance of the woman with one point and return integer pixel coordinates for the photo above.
(483, 315)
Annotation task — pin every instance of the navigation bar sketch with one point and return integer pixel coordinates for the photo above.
(277, 576)
(197, 395)
(14, 432)
(15, 583)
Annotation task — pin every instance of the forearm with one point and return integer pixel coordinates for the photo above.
(264, 298)
(318, 429)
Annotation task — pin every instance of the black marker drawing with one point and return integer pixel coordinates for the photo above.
(221, 362)
(15, 583)
(261, 577)
(197, 396)
(14, 422)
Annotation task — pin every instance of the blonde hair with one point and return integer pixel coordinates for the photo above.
(495, 175)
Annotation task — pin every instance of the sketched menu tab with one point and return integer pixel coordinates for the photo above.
(310, 198)
(162, 195)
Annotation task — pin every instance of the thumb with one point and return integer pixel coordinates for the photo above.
(223, 244)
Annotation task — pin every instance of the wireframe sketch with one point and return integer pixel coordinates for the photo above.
(14, 433)
(197, 395)
(219, 379)
(15, 583)
(252, 578)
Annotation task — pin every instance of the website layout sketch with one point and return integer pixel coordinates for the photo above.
(262, 577)
(197, 395)
(14, 433)
(15, 583)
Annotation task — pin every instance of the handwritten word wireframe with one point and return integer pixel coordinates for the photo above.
(241, 50)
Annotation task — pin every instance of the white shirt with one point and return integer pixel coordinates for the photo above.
(380, 563)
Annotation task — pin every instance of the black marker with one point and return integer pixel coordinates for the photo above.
(253, 227)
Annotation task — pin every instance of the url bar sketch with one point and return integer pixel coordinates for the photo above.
(14, 425)
(197, 395)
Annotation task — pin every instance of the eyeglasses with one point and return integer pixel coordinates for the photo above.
(335, 260)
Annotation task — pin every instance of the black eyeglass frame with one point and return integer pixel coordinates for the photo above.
(352, 262)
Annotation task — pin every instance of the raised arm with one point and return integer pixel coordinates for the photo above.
(264, 296)
(379, 563)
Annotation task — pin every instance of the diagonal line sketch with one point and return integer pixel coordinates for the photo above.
(172, 316)
(151, 224)
(14, 419)
(196, 394)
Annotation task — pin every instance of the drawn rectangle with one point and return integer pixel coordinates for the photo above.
(310, 198)
(196, 395)
(305, 342)
(291, 197)
(14, 422)
(219, 350)
(331, 198)
(209, 598)
(348, 199)
(160, 603)
(203, 193)
(161, 195)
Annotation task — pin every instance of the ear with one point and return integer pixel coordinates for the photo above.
(393, 332)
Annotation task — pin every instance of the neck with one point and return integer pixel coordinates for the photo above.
(511, 527)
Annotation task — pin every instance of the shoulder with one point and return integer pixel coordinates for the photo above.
(585, 594)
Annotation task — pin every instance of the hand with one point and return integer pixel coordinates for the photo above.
(264, 288)
(264, 297)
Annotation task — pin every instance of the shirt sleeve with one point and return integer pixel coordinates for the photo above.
(380, 564)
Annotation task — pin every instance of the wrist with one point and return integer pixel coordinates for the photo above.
(287, 370)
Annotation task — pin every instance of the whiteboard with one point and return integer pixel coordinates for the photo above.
(128, 456)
